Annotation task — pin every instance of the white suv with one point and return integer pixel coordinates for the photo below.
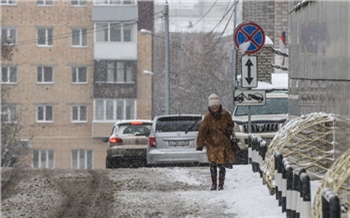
(266, 120)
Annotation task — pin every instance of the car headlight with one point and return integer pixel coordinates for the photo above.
(238, 128)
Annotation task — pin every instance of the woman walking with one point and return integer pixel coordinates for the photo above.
(214, 130)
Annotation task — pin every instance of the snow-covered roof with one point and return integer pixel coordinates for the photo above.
(278, 81)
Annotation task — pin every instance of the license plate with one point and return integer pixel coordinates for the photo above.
(179, 143)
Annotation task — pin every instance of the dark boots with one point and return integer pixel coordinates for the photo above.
(222, 174)
(214, 175)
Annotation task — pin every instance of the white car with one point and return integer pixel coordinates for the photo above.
(173, 140)
(127, 144)
(266, 120)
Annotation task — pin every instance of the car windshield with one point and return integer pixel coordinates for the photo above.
(178, 124)
(129, 129)
(272, 106)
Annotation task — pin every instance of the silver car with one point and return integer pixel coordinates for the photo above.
(127, 144)
(173, 140)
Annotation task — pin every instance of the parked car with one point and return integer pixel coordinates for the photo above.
(127, 144)
(173, 140)
(266, 120)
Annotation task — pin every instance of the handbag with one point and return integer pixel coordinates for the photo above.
(234, 143)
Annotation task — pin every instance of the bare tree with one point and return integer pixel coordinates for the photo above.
(200, 64)
(11, 146)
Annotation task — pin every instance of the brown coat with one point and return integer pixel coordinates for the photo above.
(212, 133)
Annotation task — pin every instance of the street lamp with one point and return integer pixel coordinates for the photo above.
(167, 56)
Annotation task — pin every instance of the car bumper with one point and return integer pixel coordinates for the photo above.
(159, 156)
(243, 138)
(126, 151)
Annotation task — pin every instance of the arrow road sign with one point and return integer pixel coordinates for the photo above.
(250, 97)
(249, 72)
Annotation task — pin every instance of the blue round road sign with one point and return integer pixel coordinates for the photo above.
(252, 32)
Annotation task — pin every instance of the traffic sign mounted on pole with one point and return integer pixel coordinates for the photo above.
(250, 97)
(249, 72)
(249, 35)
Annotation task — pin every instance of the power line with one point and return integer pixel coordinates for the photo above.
(68, 35)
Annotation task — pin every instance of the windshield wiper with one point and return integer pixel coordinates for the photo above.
(191, 127)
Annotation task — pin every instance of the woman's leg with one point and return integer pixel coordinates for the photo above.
(222, 174)
(214, 175)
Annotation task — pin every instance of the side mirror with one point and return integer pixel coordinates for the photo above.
(105, 139)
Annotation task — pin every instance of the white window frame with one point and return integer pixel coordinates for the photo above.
(81, 36)
(78, 110)
(48, 38)
(76, 71)
(45, 113)
(41, 72)
(79, 3)
(87, 160)
(103, 30)
(49, 156)
(8, 2)
(11, 74)
(44, 2)
(114, 2)
(120, 72)
(9, 34)
(120, 109)
(9, 113)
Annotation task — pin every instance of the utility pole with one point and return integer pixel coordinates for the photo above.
(167, 58)
(234, 56)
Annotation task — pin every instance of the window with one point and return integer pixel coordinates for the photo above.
(115, 71)
(79, 113)
(114, 2)
(78, 2)
(82, 159)
(79, 75)
(43, 158)
(44, 114)
(8, 113)
(8, 2)
(115, 32)
(44, 74)
(8, 74)
(9, 35)
(44, 2)
(112, 109)
(79, 37)
(45, 36)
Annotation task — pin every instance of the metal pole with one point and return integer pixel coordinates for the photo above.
(234, 57)
(167, 58)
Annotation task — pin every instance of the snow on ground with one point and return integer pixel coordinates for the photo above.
(244, 193)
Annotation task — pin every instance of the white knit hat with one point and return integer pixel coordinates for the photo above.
(214, 100)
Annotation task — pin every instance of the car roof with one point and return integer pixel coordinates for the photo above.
(179, 115)
(133, 120)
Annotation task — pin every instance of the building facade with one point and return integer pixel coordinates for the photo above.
(77, 69)
(319, 75)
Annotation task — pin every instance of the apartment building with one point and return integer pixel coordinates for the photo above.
(77, 69)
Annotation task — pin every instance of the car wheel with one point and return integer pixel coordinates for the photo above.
(109, 164)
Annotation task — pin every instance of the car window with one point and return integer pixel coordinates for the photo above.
(178, 124)
(128, 129)
(272, 106)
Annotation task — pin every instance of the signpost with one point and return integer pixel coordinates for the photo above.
(249, 72)
(249, 38)
(251, 34)
(250, 97)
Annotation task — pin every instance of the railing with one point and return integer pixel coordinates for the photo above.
(330, 204)
(292, 186)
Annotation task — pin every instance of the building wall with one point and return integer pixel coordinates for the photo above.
(61, 136)
(319, 58)
(272, 17)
